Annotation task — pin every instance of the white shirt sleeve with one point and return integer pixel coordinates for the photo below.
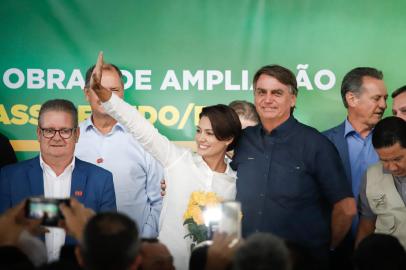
(143, 131)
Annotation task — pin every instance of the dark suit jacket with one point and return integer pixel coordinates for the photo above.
(91, 185)
(7, 155)
(336, 136)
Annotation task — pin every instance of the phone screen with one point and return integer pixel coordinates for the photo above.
(225, 217)
(46, 209)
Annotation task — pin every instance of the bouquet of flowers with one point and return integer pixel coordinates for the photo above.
(193, 217)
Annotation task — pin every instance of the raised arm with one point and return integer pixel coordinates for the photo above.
(142, 130)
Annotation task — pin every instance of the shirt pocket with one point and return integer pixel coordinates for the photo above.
(386, 224)
(378, 203)
(290, 179)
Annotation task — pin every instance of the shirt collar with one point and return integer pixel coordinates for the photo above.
(44, 166)
(283, 129)
(349, 130)
(229, 171)
(88, 125)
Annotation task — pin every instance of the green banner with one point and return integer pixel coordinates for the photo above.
(180, 55)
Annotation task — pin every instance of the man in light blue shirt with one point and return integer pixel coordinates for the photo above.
(106, 143)
(361, 155)
(364, 96)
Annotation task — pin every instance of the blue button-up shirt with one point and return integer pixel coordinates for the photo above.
(136, 173)
(288, 181)
(361, 153)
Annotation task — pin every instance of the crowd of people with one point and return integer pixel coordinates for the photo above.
(309, 200)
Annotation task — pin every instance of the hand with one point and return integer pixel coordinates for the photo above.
(95, 81)
(220, 254)
(163, 188)
(13, 222)
(76, 218)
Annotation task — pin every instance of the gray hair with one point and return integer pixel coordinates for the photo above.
(245, 110)
(262, 251)
(59, 105)
(352, 81)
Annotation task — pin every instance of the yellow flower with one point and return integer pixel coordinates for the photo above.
(198, 201)
(187, 215)
(198, 197)
(193, 215)
(212, 199)
(196, 214)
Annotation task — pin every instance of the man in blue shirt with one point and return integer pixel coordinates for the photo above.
(106, 143)
(290, 178)
(364, 95)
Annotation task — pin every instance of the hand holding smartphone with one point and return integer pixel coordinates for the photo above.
(46, 209)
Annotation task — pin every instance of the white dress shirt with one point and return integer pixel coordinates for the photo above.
(185, 172)
(56, 187)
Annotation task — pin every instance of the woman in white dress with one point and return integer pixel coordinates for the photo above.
(185, 171)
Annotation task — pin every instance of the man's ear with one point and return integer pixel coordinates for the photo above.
(38, 133)
(79, 258)
(77, 133)
(87, 93)
(351, 98)
(293, 101)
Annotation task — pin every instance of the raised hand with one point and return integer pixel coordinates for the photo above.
(13, 222)
(95, 81)
(163, 188)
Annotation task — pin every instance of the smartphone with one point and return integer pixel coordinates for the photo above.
(226, 217)
(46, 209)
(231, 216)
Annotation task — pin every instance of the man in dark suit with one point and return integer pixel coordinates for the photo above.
(364, 96)
(56, 173)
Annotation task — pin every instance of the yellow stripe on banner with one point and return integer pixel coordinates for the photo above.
(25, 145)
(33, 145)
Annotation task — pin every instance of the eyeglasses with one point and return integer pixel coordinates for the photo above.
(65, 133)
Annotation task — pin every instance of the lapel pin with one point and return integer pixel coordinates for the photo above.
(78, 193)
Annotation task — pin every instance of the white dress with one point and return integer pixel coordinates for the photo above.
(185, 172)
